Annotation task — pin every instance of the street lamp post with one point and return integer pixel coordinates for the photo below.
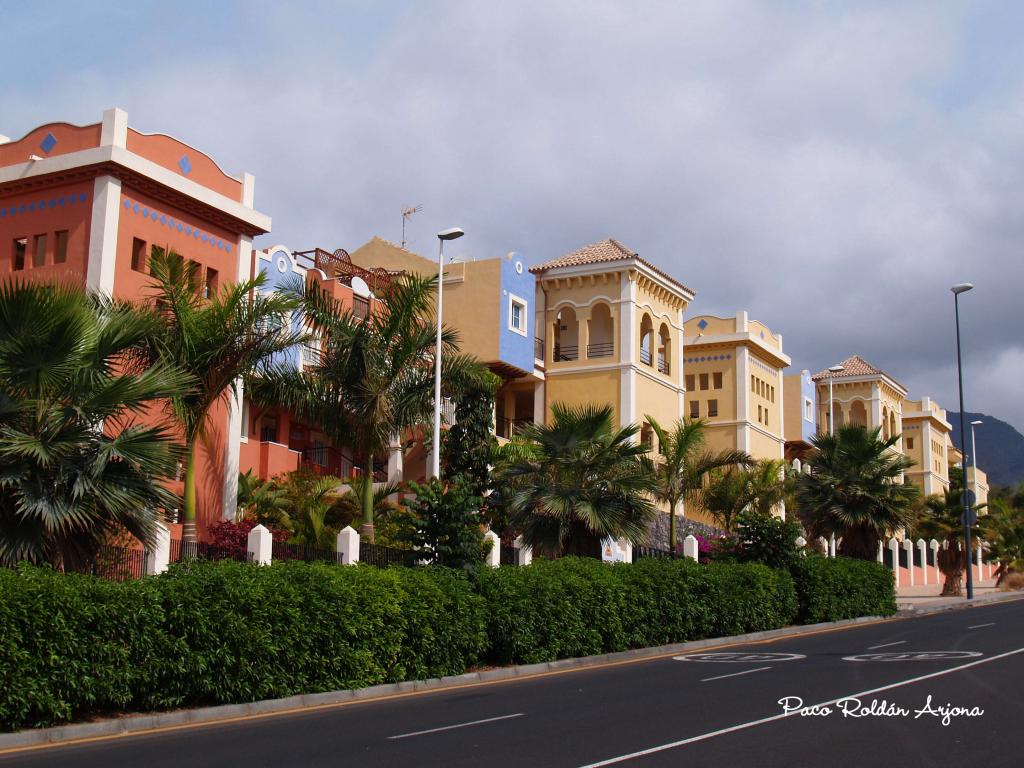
(448, 234)
(831, 408)
(957, 290)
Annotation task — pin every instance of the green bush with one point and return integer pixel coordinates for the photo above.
(221, 632)
(830, 589)
(214, 633)
(576, 607)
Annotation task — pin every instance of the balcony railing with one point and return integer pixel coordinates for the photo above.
(268, 434)
(601, 349)
(663, 366)
(566, 353)
(509, 428)
(538, 348)
(645, 356)
(338, 265)
(447, 411)
(360, 307)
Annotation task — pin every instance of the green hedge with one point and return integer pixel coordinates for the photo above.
(830, 589)
(215, 633)
(579, 607)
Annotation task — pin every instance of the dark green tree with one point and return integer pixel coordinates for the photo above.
(76, 464)
(448, 527)
(855, 490)
(468, 444)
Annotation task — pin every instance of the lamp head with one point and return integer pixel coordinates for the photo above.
(961, 288)
(450, 234)
(976, 423)
(836, 369)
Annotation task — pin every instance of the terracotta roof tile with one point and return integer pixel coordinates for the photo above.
(853, 366)
(598, 253)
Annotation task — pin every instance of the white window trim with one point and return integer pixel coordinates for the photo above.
(513, 299)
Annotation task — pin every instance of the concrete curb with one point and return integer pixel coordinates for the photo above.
(956, 603)
(137, 724)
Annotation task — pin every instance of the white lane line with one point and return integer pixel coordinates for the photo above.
(979, 626)
(457, 725)
(773, 718)
(886, 645)
(734, 674)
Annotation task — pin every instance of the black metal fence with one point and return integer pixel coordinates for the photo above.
(280, 550)
(182, 551)
(642, 552)
(507, 554)
(114, 564)
(382, 556)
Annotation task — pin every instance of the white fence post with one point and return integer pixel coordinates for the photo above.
(690, 548)
(494, 556)
(823, 543)
(259, 545)
(881, 552)
(800, 542)
(347, 545)
(159, 557)
(908, 548)
(894, 550)
(524, 554)
(626, 548)
(922, 551)
(933, 545)
(981, 554)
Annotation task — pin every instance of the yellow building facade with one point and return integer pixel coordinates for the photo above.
(928, 443)
(734, 381)
(613, 329)
(860, 394)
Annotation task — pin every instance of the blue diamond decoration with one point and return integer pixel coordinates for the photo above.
(53, 202)
(702, 324)
(163, 219)
(180, 226)
(188, 230)
(31, 207)
(185, 165)
(3, 213)
(195, 233)
(81, 198)
(48, 143)
(127, 204)
(204, 237)
(762, 334)
(227, 247)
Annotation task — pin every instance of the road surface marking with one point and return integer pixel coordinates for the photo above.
(885, 645)
(738, 658)
(913, 656)
(458, 725)
(979, 626)
(773, 718)
(734, 674)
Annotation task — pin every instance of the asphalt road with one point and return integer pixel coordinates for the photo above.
(717, 710)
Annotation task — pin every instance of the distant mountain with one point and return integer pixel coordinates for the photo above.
(1000, 446)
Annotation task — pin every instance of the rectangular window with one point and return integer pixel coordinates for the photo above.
(39, 251)
(753, 384)
(703, 381)
(910, 443)
(808, 409)
(712, 407)
(759, 414)
(195, 276)
(773, 393)
(690, 382)
(139, 255)
(60, 247)
(212, 282)
(766, 417)
(694, 409)
(717, 378)
(19, 249)
(517, 314)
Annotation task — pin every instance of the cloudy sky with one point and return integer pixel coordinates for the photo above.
(830, 167)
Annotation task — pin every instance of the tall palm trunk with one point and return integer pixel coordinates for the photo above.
(672, 525)
(188, 529)
(366, 529)
(951, 562)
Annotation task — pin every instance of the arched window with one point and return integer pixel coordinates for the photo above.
(602, 336)
(858, 413)
(664, 349)
(647, 436)
(885, 422)
(646, 340)
(892, 424)
(567, 335)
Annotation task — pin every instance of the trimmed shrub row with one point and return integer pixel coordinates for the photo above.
(225, 632)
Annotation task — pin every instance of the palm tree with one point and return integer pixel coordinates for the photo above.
(262, 500)
(685, 464)
(217, 339)
(349, 506)
(1003, 530)
(940, 518)
(75, 466)
(762, 488)
(571, 483)
(373, 377)
(855, 489)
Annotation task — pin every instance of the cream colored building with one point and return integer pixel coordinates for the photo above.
(861, 394)
(927, 442)
(734, 381)
(613, 329)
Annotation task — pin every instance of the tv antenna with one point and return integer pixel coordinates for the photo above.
(407, 212)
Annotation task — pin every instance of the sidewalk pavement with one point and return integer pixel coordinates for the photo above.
(918, 598)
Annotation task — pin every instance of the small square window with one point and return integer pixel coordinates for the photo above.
(39, 251)
(690, 382)
(517, 315)
(212, 282)
(808, 409)
(717, 377)
(694, 409)
(19, 249)
(60, 247)
(712, 407)
(910, 443)
(139, 255)
(703, 381)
